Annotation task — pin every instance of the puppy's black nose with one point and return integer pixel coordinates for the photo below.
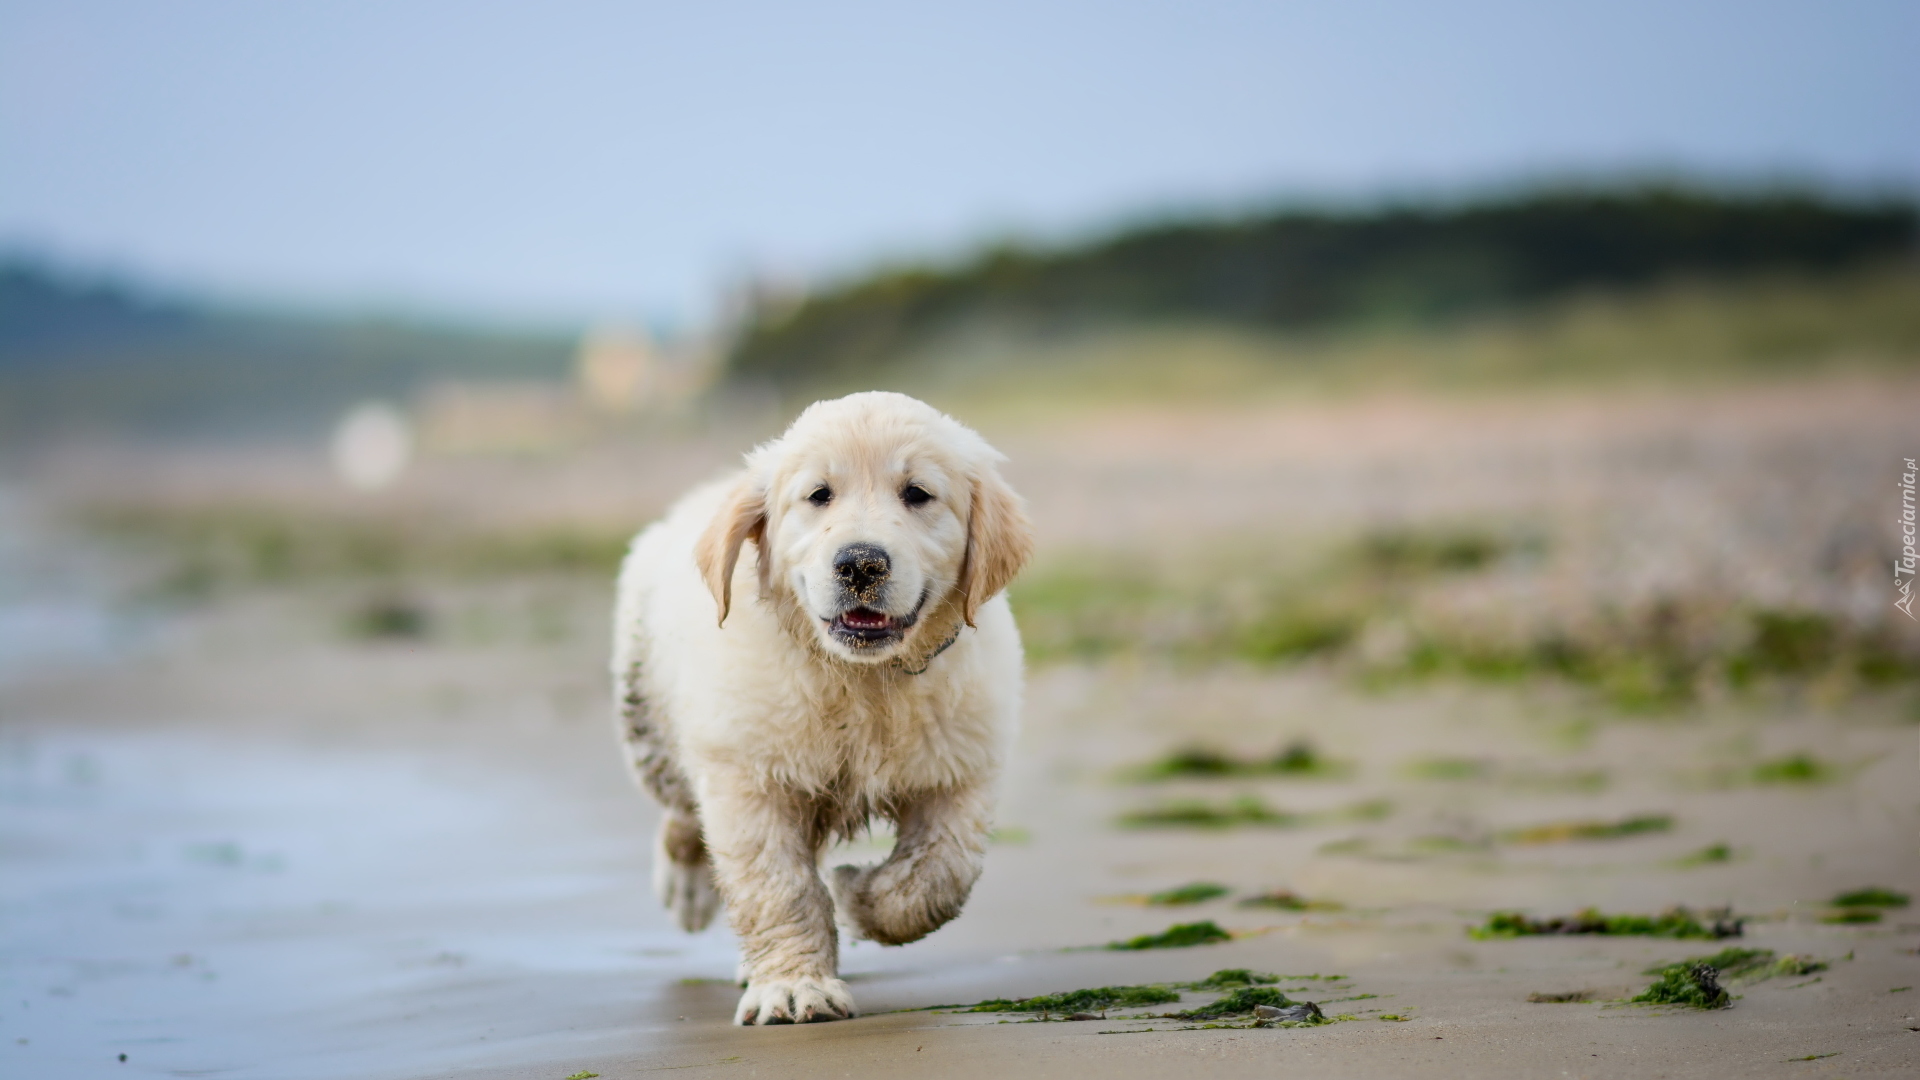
(861, 566)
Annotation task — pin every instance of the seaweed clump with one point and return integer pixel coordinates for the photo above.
(1193, 893)
(1710, 855)
(1076, 1001)
(1230, 978)
(1871, 896)
(1747, 965)
(1793, 769)
(1299, 758)
(1852, 916)
(1179, 936)
(1676, 922)
(1239, 1002)
(1561, 832)
(1199, 814)
(1696, 985)
(1287, 900)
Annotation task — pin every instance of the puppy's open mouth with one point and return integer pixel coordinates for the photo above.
(864, 628)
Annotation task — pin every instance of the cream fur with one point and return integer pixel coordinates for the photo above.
(765, 736)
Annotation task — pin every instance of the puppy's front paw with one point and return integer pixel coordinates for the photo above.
(794, 1001)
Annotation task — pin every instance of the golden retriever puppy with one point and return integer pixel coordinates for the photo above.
(817, 642)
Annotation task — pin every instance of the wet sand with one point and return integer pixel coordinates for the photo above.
(237, 845)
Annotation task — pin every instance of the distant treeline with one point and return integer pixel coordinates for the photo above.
(78, 355)
(1311, 270)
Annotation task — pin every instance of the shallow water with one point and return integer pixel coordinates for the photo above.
(53, 608)
(214, 908)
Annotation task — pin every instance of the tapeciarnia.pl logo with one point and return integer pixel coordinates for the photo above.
(1905, 563)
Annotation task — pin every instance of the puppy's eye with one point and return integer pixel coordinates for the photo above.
(915, 495)
(821, 496)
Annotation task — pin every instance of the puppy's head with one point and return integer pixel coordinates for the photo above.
(870, 513)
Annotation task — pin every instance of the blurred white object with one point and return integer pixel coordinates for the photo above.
(371, 446)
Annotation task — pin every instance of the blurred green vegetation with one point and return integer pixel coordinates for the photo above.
(1197, 892)
(1202, 814)
(1872, 896)
(1298, 759)
(1354, 607)
(1865, 319)
(1553, 287)
(200, 551)
(1241, 810)
(1358, 607)
(1320, 274)
(1676, 922)
(1794, 769)
(1561, 832)
(1711, 855)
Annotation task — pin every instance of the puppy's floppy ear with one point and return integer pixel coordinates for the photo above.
(999, 541)
(742, 517)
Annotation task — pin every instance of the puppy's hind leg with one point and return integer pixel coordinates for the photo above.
(941, 846)
(682, 876)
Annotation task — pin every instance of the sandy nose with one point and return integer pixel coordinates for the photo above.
(860, 567)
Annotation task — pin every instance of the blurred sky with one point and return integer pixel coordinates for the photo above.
(556, 161)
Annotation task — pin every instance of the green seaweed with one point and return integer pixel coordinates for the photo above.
(1408, 551)
(1677, 922)
(1296, 631)
(1564, 998)
(1296, 759)
(1450, 769)
(1737, 964)
(1191, 761)
(1795, 965)
(1237, 1003)
(1852, 917)
(1732, 963)
(1076, 1001)
(1693, 985)
(1201, 814)
(1229, 978)
(1747, 965)
(1179, 936)
(1871, 896)
(388, 617)
(1192, 893)
(1559, 832)
(1786, 643)
(1793, 769)
(1710, 855)
(1649, 657)
(1287, 900)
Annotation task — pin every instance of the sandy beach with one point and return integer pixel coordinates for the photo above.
(238, 843)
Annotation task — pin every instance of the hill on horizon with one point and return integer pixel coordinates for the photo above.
(1311, 271)
(79, 355)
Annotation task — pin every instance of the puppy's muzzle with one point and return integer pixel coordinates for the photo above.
(862, 570)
